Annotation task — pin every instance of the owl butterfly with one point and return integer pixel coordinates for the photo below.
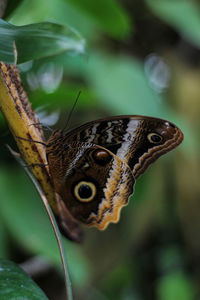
(94, 166)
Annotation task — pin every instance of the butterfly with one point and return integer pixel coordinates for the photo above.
(94, 167)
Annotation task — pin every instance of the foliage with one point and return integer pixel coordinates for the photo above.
(36, 41)
(14, 283)
(143, 58)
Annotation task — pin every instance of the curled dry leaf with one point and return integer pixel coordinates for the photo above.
(20, 117)
(17, 110)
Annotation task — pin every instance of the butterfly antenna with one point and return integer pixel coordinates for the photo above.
(72, 110)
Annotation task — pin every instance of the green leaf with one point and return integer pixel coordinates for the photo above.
(38, 40)
(64, 97)
(120, 84)
(183, 15)
(59, 11)
(107, 14)
(176, 285)
(86, 16)
(16, 284)
(10, 7)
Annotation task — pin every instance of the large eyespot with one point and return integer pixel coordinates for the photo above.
(154, 138)
(101, 157)
(85, 191)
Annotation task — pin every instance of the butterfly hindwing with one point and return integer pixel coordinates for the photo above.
(94, 183)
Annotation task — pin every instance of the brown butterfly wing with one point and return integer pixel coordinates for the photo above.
(128, 138)
(93, 183)
(125, 145)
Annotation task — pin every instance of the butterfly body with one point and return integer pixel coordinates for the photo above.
(94, 166)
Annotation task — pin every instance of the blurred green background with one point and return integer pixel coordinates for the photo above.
(143, 57)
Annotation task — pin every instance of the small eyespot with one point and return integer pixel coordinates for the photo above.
(154, 138)
(101, 157)
(85, 191)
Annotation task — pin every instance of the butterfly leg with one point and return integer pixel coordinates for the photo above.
(32, 141)
(36, 165)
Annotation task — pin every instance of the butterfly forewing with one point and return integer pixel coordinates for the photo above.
(128, 137)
